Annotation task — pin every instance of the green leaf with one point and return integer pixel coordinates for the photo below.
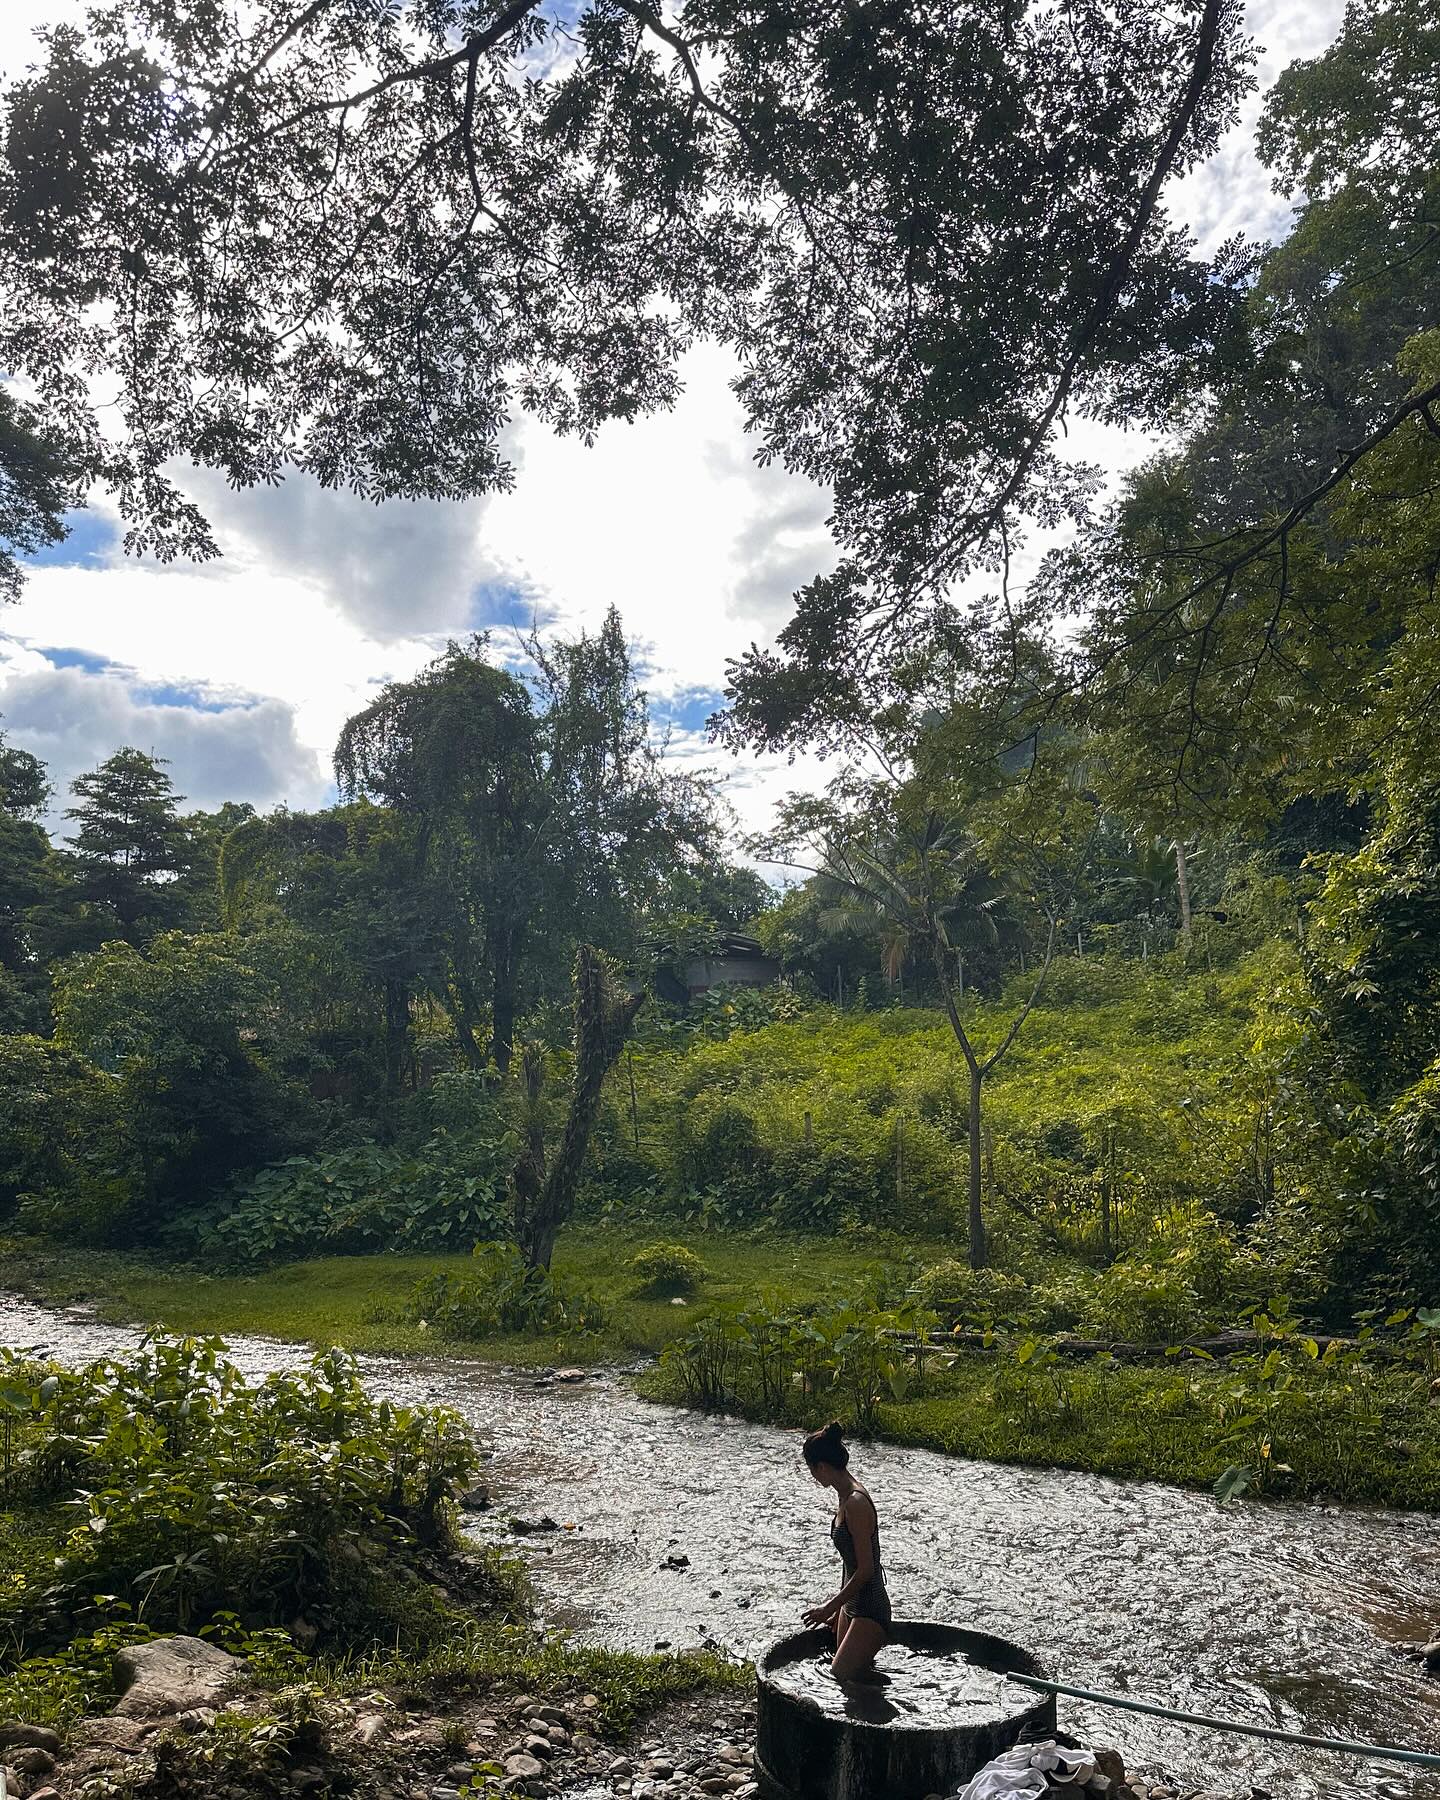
(1233, 1483)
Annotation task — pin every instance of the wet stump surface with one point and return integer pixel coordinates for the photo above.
(888, 1741)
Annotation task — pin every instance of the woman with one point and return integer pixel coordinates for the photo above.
(860, 1612)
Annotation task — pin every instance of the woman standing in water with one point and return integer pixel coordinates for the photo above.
(860, 1612)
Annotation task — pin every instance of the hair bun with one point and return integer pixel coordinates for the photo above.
(827, 1445)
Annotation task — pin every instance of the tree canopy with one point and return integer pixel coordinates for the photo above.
(358, 241)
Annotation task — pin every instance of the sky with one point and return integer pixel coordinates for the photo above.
(241, 671)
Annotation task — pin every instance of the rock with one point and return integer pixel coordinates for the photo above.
(309, 1780)
(369, 1727)
(12, 1781)
(528, 1527)
(714, 1784)
(31, 1737)
(570, 1375)
(1431, 1654)
(171, 1675)
(554, 1715)
(116, 1734)
(458, 1772)
(679, 1300)
(677, 1561)
(523, 1766)
(46, 1793)
(535, 1745)
(1099, 1784)
(477, 1500)
(662, 1643)
(1111, 1763)
(31, 1760)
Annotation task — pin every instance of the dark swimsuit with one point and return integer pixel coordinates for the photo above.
(873, 1600)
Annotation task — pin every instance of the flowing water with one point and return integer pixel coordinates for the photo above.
(673, 1529)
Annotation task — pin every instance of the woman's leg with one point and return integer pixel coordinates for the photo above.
(857, 1649)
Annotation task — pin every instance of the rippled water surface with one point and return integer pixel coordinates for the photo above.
(1276, 1615)
(908, 1687)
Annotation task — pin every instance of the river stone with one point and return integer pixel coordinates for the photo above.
(535, 1745)
(31, 1761)
(15, 1735)
(171, 1675)
(523, 1766)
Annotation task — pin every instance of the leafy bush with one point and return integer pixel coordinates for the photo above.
(667, 1269)
(505, 1295)
(201, 1492)
(65, 1163)
(371, 1197)
(852, 1355)
(959, 1293)
(1145, 1303)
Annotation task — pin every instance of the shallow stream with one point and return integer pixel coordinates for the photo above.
(673, 1528)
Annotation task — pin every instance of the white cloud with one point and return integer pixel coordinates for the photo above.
(74, 718)
(397, 570)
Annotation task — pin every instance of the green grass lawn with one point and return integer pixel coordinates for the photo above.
(1368, 1436)
(360, 1301)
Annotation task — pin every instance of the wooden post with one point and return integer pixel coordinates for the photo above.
(1107, 1142)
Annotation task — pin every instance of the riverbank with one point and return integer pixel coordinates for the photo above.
(676, 1528)
(362, 1302)
(1354, 1431)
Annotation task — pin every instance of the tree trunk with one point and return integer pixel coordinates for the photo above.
(603, 1015)
(527, 1178)
(463, 1005)
(1182, 884)
(978, 1256)
(397, 1035)
(504, 970)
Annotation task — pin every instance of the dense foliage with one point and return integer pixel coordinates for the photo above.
(194, 1493)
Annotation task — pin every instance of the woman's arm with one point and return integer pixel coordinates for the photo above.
(858, 1512)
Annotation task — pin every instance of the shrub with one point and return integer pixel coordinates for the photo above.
(957, 1292)
(667, 1269)
(65, 1164)
(1144, 1303)
(200, 1492)
(370, 1197)
(504, 1295)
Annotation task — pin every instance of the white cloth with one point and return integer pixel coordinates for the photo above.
(1024, 1772)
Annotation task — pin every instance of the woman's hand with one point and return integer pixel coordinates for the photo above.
(821, 1615)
